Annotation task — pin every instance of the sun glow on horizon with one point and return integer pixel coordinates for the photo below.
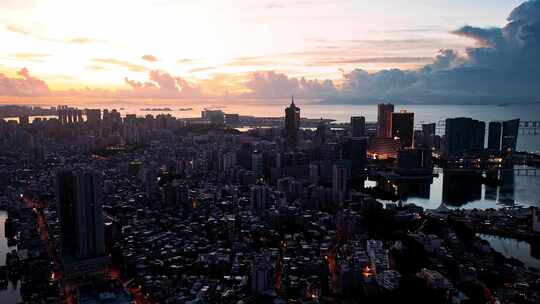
(74, 45)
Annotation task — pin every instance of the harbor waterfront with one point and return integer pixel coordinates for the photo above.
(339, 113)
(431, 192)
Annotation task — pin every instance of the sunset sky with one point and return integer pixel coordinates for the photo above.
(211, 48)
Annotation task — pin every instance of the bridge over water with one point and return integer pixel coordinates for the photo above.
(526, 127)
(518, 171)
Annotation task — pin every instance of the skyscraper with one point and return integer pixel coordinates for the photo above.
(510, 131)
(358, 126)
(384, 120)
(403, 128)
(339, 183)
(292, 124)
(464, 134)
(494, 136)
(358, 154)
(79, 198)
(260, 197)
(320, 134)
(428, 135)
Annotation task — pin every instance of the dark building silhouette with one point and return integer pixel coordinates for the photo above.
(494, 136)
(384, 120)
(292, 124)
(79, 198)
(403, 128)
(428, 135)
(355, 149)
(320, 134)
(93, 116)
(464, 134)
(510, 131)
(358, 126)
(415, 161)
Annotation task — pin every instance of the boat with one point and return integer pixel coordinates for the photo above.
(156, 109)
(185, 109)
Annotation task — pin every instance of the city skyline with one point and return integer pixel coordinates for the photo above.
(275, 151)
(423, 52)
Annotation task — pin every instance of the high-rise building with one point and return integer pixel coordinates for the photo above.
(24, 120)
(216, 117)
(339, 183)
(320, 134)
(494, 136)
(510, 131)
(358, 154)
(428, 135)
(232, 119)
(292, 124)
(358, 126)
(464, 134)
(314, 173)
(229, 160)
(535, 219)
(79, 198)
(415, 161)
(403, 128)
(384, 120)
(260, 197)
(257, 163)
(263, 274)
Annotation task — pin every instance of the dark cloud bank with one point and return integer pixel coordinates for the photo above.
(503, 67)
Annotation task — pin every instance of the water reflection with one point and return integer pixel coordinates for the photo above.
(9, 293)
(460, 189)
(518, 250)
(506, 190)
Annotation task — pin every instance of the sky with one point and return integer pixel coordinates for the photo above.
(334, 50)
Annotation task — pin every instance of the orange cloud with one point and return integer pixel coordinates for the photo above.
(30, 57)
(186, 60)
(150, 58)
(22, 31)
(25, 86)
(160, 85)
(121, 63)
(201, 69)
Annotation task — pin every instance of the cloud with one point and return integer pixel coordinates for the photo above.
(150, 58)
(187, 60)
(341, 60)
(269, 84)
(97, 67)
(289, 4)
(160, 85)
(121, 63)
(201, 69)
(73, 40)
(30, 57)
(504, 66)
(24, 86)
(251, 61)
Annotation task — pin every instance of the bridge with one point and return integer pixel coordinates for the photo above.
(529, 127)
(526, 127)
(518, 171)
